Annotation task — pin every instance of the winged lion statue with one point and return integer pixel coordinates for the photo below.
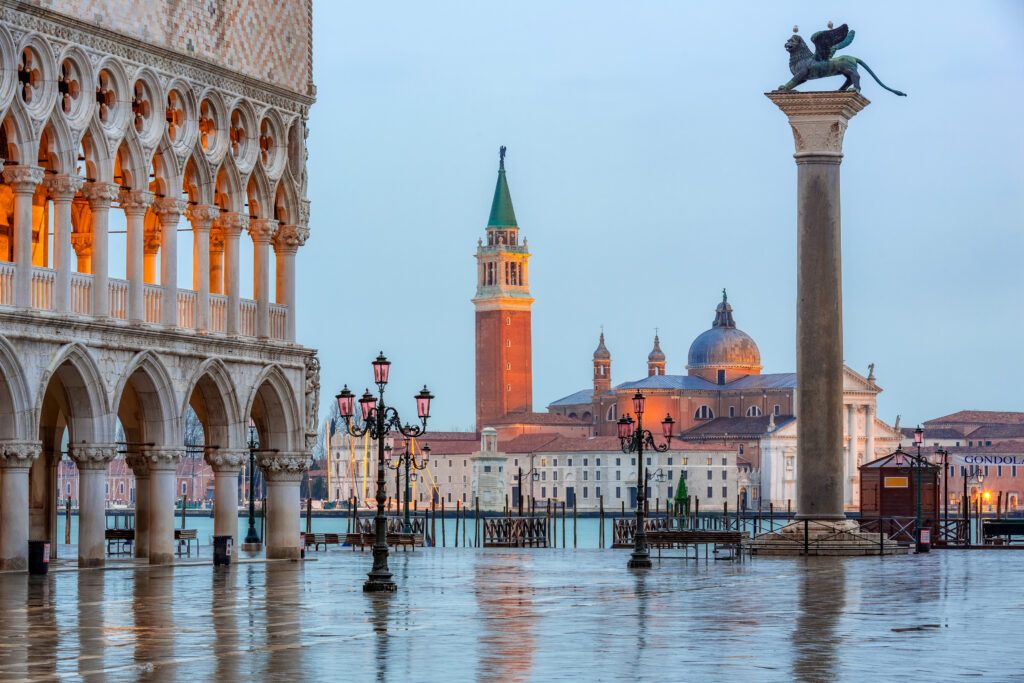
(821, 63)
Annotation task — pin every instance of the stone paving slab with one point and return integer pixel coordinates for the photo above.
(510, 615)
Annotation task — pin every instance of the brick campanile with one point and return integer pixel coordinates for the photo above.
(504, 366)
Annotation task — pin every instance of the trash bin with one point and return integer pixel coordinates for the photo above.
(38, 557)
(924, 540)
(221, 550)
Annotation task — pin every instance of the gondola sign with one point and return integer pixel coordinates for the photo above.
(987, 459)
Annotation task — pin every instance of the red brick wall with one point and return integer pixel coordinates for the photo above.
(504, 365)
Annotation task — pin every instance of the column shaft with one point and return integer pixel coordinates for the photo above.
(62, 190)
(226, 465)
(14, 522)
(163, 463)
(262, 231)
(135, 204)
(202, 218)
(169, 211)
(286, 242)
(869, 433)
(100, 195)
(92, 461)
(283, 474)
(140, 470)
(851, 452)
(23, 180)
(232, 224)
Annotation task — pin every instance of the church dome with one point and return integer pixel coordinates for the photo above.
(602, 352)
(724, 346)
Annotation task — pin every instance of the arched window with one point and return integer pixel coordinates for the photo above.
(704, 413)
(753, 411)
(612, 413)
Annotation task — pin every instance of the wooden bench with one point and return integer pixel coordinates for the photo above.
(183, 539)
(121, 540)
(317, 540)
(730, 540)
(393, 540)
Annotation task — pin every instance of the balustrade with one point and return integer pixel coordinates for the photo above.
(43, 281)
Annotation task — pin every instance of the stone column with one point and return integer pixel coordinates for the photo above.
(140, 469)
(233, 224)
(163, 468)
(226, 465)
(62, 190)
(287, 241)
(869, 433)
(819, 120)
(262, 231)
(851, 452)
(23, 181)
(169, 211)
(283, 472)
(92, 460)
(81, 242)
(202, 218)
(18, 457)
(100, 195)
(135, 204)
(217, 260)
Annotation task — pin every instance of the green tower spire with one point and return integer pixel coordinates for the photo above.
(502, 213)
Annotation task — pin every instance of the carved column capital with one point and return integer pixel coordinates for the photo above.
(135, 202)
(92, 456)
(19, 454)
(202, 216)
(170, 209)
(100, 195)
(63, 188)
(163, 458)
(233, 223)
(287, 466)
(82, 243)
(23, 179)
(140, 466)
(226, 460)
(290, 237)
(262, 230)
(818, 119)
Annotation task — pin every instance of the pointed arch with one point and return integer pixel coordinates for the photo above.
(230, 195)
(167, 175)
(286, 206)
(84, 394)
(146, 379)
(20, 143)
(59, 145)
(272, 406)
(259, 196)
(212, 394)
(198, 180)
(130, 167)
(15, 397)
(99, 163)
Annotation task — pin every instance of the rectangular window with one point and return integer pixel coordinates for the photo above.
(570, 462)
(515, 462)
(632, 461)
(709, 462)
(598, 473)
(986, 470)
(597, 492)
(741, 449)
(463, 497)
(618, 492)
(599, 462)
(554, 492)
(618, 475)
(584, 462)
(618, 462)
(725, 462)
(684, 475)
(711, 492)
(648, 461)
(999, 471)
(725, 475)
(1013, 471)
(670, 461)
(543, 491)
(585, 473)
(725, 492)
(544, 476)
(554, 476)
(732, 411)
(685, 461)
(709, 474)
(963, 471)
(584, 491)
(670, 477)
(487, 468)
(670, 492)
(449, 497)
(776, 410)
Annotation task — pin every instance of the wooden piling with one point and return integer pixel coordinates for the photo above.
(476, 523)
(67, 522)
(600, 530)
(458, 509)
(442, 524)
(789, 510)
(547, 525)
(574, 522)
(563, 523)
(433, 523)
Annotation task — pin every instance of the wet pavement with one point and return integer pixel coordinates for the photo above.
(464, 614)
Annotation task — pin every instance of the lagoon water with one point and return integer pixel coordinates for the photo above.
(510, 615)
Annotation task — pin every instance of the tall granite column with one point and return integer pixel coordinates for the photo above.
(283, 473)
(92, 460)
(819, 121)
(17, 460)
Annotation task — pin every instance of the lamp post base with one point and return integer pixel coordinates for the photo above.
(379, 585)
(639, 561)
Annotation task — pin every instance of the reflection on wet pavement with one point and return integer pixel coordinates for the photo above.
(504, 615)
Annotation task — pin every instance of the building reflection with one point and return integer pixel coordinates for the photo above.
(282, 609)
(153, 613)
(822, 598)
(92, 642)
(42, 627)
(225, 623)
(504, 596)
(13, 625)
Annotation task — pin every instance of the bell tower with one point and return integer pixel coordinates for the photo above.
(504, 359)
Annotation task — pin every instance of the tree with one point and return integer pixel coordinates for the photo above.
(682, 498)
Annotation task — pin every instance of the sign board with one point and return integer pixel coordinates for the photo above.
(926, 536)
(46, 553)
(896, 482)
(983, 459)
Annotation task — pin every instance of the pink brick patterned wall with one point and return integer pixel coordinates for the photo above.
(270, 40)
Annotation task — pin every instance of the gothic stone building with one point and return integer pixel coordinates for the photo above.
(179, 121)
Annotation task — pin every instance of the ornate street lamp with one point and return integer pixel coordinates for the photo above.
(536, 477)
(409, 461)
(905, 462)
(251, 537)
(378, 420)
(634, 440)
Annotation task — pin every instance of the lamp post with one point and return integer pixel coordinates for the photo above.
(409, 461)
(251, 537)
(536, 477)
(633, 440)
(918, 439)
(945, 492)
(378, 420)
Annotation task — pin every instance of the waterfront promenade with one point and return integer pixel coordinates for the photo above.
(465, 614)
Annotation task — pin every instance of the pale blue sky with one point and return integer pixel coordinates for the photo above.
(648, 171)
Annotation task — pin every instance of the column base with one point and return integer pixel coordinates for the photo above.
(13, 564)
(283, 553)
(161, 558)
(91, 562)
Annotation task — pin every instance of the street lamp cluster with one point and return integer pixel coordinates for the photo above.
(378, 420)
(633, 439)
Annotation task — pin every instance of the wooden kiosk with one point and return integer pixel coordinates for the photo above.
(888, 494)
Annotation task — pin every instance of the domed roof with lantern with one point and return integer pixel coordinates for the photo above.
(724, 346)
